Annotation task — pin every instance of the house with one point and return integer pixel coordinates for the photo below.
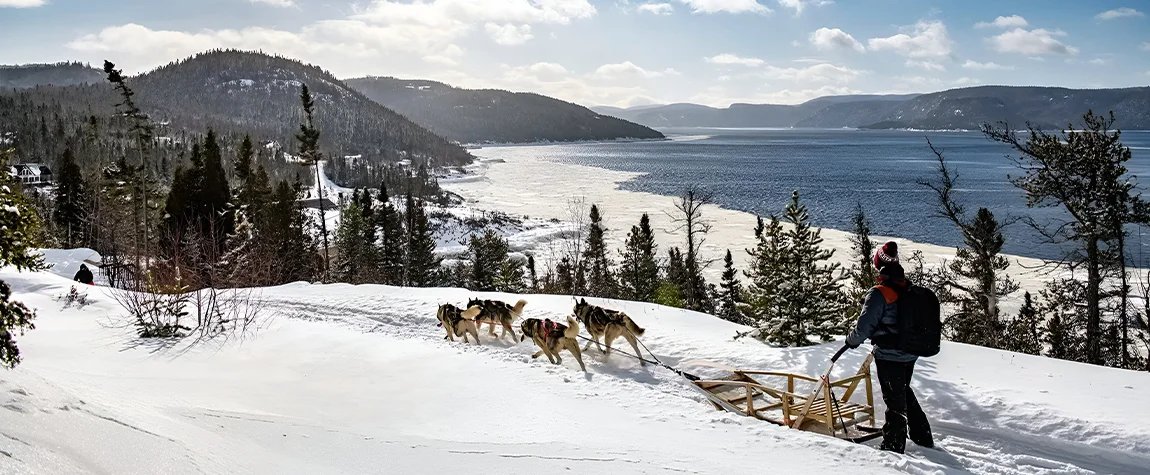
(33, 173)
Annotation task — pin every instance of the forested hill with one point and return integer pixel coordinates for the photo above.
(57, 74)
(488, 115)
(966, 108)
(238, 92)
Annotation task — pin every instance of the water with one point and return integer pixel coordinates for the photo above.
(755, 170)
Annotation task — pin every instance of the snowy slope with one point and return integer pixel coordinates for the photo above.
(357, 379)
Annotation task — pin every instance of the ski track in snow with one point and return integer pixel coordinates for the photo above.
(349, 379)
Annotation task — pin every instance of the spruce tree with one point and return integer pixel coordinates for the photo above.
(487, 255)
(308, 138)
(639, 269)
(731, 293)
(424, 266)
(19, 227)
(244, 160)
(351, 248)
(600, 278)
(676, 271)
(72, 202)
(392, 244)
(806, 300)
(863, 274)
(532, 276)
(214, 196)
(1062, 301)
(510, 278)
(1024, 333)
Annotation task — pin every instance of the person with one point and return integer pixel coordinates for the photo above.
(84, 275)
(878, 322)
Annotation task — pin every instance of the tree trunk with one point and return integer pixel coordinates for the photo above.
(1125, 292)
(1093, 321)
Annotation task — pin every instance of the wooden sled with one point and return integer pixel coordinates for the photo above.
(827, 410)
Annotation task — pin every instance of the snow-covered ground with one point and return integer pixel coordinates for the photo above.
(358, 379)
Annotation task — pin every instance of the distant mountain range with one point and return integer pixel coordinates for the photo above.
(58, 74)
(489, 115)
(966, 108)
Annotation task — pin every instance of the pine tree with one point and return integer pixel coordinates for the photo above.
(424, 266)
(639, 269)
(600, 279)
(533, 277)
(72, 202)
(766, 273)
(244, 160)
(807, 300)
(1024, 334)
(19, 226)
(690, 221)
(393, 244)
(487, 254)
(731, 295)
(372, 250)
(863, 274)
(1062, 303)
(350, 245)
(308, 138)
(510, 278)
(676, 272)
(214, 194)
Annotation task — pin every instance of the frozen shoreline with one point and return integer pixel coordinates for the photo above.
(515, 181)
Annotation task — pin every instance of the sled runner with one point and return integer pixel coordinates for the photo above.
(827, 410)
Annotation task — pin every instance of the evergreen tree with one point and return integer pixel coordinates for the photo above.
(731, 295)
(72, 202)
(424, 266)
(1024, 334)
(244, 160)
(214, 196)
(807, 300)
(676, 272)
(639, 270)
(18, 228)
(308, 138)
(696, 294)
(351, 248)
(510, 278)
(393, 244)
(372, 250)
(487, 254)
(600, 279)
(563, 281)
(766, 272)
(863, 274)
(1062, 303)
(533, 277)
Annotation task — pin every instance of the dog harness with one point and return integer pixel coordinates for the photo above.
(548, 327)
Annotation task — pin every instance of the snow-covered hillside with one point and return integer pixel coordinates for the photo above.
(358, 379)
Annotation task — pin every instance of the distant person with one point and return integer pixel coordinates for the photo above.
(895, 364)
(84, 275)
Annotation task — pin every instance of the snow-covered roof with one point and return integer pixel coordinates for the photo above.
(32, 169)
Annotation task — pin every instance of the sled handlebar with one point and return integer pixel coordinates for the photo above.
(842, 350)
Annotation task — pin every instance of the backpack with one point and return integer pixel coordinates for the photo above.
(919, 327)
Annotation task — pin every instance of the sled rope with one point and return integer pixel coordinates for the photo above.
(688, 376)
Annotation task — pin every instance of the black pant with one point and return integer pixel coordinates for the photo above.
(902, 409)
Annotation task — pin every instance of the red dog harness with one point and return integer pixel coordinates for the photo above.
(548, 327)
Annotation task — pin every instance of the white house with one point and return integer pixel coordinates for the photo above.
(33, 173)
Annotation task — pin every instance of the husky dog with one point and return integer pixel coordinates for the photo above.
(458, 322)
(494, 312)
(610, 325)
(553, 337)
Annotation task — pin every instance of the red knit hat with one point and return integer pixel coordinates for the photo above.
(887, 254)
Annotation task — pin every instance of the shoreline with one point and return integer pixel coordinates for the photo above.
(523, 184)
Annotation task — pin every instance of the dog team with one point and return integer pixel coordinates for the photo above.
(551, 337)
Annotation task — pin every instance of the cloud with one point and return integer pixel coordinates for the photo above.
(799, 5)
(22, 3)
(656, 8)
(1031, 42)
(1012, 21)
(987, 66)
(818, 73)
(963, 81)
(1118, 13)
(730, 59)
(834, 38)
(1097, 61)
(509, 34)
(554, 80)
(927, 65)
(718, 96)
(927, 39)
(728, 6)
(1146, 46)
(628, 69)
(274, 3)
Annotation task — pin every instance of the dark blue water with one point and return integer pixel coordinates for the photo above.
(756, 170)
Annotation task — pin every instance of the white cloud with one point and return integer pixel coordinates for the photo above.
(730, 59)
(834, 38)
(274, 3)
(1012, 21)
(964, 81)
(628, 69)
(509, 34)
(456, 13)
(1031, 42)
(818, 73)
(987, 66)
(926, 64)
(927, 39)
(1146, 46)
(719, 96)
(1119, 13)
(656, 8)
(808, 60)
(1097, 61)
(728, 6)
(799, 5)
(22, 3)
(553, 79)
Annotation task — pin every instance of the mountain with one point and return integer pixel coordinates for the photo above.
(965, 108)
(57, 74)
(235, 93)
(489, 115)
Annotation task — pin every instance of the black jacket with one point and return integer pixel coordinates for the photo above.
(83, 275)
(880, 315)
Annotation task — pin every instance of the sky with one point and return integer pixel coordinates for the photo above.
(621, 52)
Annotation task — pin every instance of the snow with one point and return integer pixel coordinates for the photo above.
(350, 379)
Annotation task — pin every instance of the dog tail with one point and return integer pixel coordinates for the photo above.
(632, 327)
(471, 312)
(518, 309)
(572, 330)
